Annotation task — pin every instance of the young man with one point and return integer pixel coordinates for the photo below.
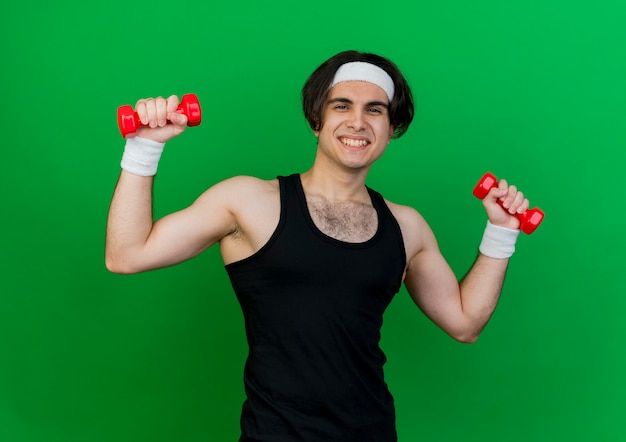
(315, 258)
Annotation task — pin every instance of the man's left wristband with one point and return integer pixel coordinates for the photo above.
(498, 242)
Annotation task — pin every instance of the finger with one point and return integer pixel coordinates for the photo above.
(509, 198)
(177, 119)
(141, 110)
(151, 112)
(503, 185)
(172, 111)
(161, 112)
(498, 192)
(519, 204)
(524, 205)
(173, 115)
(172, 103)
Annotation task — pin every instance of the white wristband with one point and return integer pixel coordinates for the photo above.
(498, 242)
(141, 156)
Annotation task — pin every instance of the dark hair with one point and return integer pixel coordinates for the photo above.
(316, 89)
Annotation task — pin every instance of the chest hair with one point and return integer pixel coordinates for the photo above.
(345, 221)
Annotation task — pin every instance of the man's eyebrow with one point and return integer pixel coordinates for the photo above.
(377, 103)
(339, 100)
(348, 101)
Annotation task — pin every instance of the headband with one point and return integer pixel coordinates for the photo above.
(361, 71)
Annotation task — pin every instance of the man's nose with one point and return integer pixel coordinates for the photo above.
(356, 120)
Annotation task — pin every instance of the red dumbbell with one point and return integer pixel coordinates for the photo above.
(529, 220)
(128, 120)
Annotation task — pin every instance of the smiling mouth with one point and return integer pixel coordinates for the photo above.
(353, 143)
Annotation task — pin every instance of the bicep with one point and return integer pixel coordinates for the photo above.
(184, 234)
(432, 284)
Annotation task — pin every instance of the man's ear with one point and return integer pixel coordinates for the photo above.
(392, 130)
(316, 127)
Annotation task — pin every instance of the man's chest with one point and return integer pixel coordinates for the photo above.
(345, 221)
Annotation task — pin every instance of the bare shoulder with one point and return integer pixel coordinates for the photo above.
(240, 190)
(244, 198)
(252, 194)
(244, 185)
(416, 232)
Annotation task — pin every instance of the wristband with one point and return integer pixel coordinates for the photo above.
(141, 156)
(498, 242)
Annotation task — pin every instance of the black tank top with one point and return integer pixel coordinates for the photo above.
(313, 308)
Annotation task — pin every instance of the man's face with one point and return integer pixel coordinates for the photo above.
(355, 128)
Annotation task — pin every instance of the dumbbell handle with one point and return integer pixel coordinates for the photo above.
(128, 120)
(529, 220)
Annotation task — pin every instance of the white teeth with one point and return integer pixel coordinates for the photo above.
(353, 143)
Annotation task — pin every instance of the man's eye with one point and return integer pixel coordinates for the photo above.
(341, 106)
(375, 110)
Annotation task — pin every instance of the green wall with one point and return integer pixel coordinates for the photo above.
(533, 91)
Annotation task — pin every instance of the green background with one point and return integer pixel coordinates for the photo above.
(533, 91)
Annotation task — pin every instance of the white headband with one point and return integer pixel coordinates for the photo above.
(361, 71)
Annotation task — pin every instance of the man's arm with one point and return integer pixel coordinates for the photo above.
(461, 309)
(135, 243)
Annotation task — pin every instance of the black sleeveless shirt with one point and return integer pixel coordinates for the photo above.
(313, 308)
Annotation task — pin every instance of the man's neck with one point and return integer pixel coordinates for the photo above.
(335, 185)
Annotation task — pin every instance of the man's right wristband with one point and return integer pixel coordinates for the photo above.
(141, 156)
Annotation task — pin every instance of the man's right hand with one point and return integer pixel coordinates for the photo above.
(160, 117)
